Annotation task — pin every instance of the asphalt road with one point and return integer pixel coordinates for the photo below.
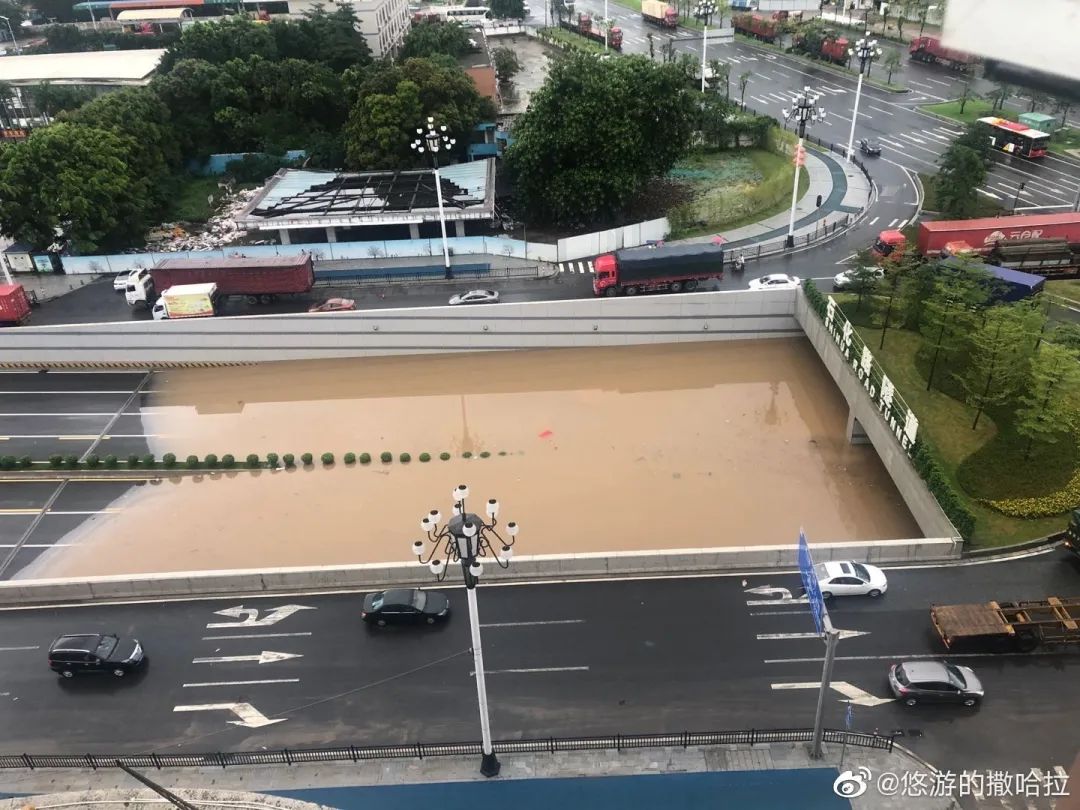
(600, 657)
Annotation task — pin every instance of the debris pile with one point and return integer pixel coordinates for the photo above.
(217, 232)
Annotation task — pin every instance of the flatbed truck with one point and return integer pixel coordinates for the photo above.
(1009, 626)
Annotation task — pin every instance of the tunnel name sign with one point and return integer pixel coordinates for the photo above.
(902, 422)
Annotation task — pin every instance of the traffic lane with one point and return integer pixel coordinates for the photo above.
(25, 494)
(90, 496)
(68, 381)
(41, 403)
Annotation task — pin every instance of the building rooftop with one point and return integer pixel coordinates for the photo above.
(119, 68)
(154, 15)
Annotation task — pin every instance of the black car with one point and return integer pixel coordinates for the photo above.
(868, 147)
(405, 606)
(94, 652)
(915, 682)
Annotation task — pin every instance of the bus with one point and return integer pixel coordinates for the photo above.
(1016, 139)
(466, 15)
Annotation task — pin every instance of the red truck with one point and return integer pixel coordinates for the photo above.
(758, 27)
(981, 236)
(659, 13)
(584, 27)
(930, 49)
(259, 281)
(14, 305)
(823, 45)
(657, 268)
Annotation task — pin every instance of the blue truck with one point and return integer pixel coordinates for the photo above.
(1012, 285)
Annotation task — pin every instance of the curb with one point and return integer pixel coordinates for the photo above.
(1048, 541)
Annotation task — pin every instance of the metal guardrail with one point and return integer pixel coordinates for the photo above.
(353, 753)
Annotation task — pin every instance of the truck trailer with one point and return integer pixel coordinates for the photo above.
(584, 27)
(187, 301)
(756, 26)
(658, 268)
(1009, 626)
(1009, 284)
(14, 305)
(258, 281)
(659, 13)
(930, 49)
(981, 235)
(1050, 258)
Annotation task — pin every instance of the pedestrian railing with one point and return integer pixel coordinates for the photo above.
(354, 753)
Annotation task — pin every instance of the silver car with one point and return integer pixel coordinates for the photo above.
(849, 278)
(915, 682)
(476, 297)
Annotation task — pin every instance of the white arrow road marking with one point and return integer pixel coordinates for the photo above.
(255, 635)
(273, 616)
(250, 717)
(843, 634)
(802, 600)
(265, 657)
(766, 590)
(15, 649)
(853, 693)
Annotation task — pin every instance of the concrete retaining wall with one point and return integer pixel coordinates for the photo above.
(382, 575)
(921, 503)
(547, 324)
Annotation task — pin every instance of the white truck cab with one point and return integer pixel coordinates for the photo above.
(140, 288)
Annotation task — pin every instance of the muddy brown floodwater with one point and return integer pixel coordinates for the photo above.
(691, 445)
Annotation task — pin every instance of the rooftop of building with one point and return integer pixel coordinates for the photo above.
(120, 68)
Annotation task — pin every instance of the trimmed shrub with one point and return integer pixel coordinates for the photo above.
(149, 461)
(111, 461)
(25, 462)
(92, 460)
(289, 460)
(327, 458)
(502, 452)
(71, 461)
(485, 454)
(133, 460)
(253, 461)
(228, 461)
(365, 458)
(386, 457)
(7, 462)
(466, 454)
(425, 457)
(272, 459)
(350, 458)
(405, 458)
(951, 504)
(211, 460)
(444, 456)
(55, 460)
(192, 462)
(169, 460)
(307, 458)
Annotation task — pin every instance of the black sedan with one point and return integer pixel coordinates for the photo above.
(405, 606)
(868, 147)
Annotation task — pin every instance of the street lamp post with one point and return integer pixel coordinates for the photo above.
(432, 141)
(804, 110)
(14, 42)
(465, 538)
(704, 12)
(865, 50)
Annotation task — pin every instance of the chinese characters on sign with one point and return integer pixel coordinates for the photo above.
(903, 423)
(988, 784)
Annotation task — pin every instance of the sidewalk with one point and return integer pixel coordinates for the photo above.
(748, 777)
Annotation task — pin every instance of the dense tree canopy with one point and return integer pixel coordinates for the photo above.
(596, 133)
(432, 37)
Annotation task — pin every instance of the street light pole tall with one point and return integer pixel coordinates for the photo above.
(607, 27)
(865, 51)
(804, 110)
(704, 12)
(465, 538)
(432, 141)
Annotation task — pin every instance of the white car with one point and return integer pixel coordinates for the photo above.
(775, 281)
(475, 297)
(846, 280)
(120, 282)
(850, 579)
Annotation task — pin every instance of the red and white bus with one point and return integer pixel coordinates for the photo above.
(1016, 139)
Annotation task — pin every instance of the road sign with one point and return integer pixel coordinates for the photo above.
(810, 583)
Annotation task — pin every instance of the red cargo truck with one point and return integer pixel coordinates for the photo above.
(657, 12)
(584, 26)
(756, 26)
(14, 305)
(259, 281)
(930, 49)
(658, 268)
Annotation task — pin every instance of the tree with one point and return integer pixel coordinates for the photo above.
(433, 37)
(723, 7)
(596, 134)
(976, 137)
(55, 10)
(962, 171)
(506, 64)
(744, 79)
(1046, 407)
(1001, 350)
(916, 286)
(891, 62)
(508, 9)
(667, 52)
(334, 39)
(221, 42)
(559, 9)
(393, 100)
(864, 281)
(652, 46)
(72, 180)
(52, 99)
(1063, 105)
(950, 314)
(999, 95)
(1037, 98)
(721, 76)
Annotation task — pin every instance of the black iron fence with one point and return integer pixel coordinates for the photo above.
(353, 753)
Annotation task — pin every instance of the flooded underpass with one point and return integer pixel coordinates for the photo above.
(692, 445)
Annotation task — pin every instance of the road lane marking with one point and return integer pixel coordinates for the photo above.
(240, 683)
(265, 657)
(780, 613)
(250, 717)
(802, 600)
(784, 636)
(529, 670)
(984, 191)
(51, 393)
(852, 693)
(273, 616)
(38, 545)
(534, 624)
(20, 511)
(878, 109)
(87, 512)
(903, 222)
(892, 223)
(57, 413)
(16, 649)
(255, 635)
(871, 222)
(905, 656)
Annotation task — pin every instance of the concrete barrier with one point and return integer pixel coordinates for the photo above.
(736, 315)
(867, 424)
(383, 575)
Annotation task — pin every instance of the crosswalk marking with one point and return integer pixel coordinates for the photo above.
(576, 267)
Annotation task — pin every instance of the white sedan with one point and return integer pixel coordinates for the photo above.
(775, 281)
(120, 282)
(850, 579)
(849, 278)
(476, 297)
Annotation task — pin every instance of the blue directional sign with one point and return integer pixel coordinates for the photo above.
(810, 583)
